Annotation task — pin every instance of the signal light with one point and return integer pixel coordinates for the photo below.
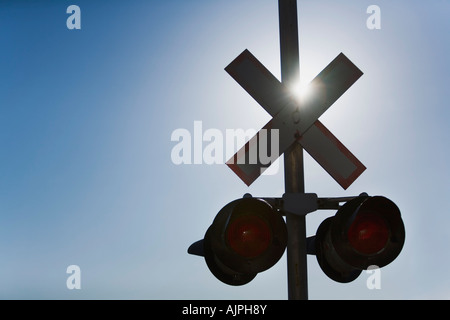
(365, 231)
(247, 236)
(368, 233)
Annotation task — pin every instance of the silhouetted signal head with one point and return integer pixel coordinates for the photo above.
(365, 231)
(247, 236)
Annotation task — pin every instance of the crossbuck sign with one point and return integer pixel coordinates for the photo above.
(297, 120)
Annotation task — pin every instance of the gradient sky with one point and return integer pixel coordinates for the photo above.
(86, 118)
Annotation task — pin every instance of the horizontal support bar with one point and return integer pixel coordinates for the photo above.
(304, 203)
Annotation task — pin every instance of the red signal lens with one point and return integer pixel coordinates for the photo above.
(368, 233)
(249, 236)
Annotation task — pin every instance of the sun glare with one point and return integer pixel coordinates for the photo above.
(301, 90)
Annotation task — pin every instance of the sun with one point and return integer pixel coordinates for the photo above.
(301, 90)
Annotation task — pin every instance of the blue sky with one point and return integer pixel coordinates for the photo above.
(86, 118)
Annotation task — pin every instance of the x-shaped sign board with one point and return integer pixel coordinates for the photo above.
(297, 121)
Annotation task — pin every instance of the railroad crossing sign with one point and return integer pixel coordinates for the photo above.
(297, 121)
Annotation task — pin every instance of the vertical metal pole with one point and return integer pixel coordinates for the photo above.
(293, 157)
